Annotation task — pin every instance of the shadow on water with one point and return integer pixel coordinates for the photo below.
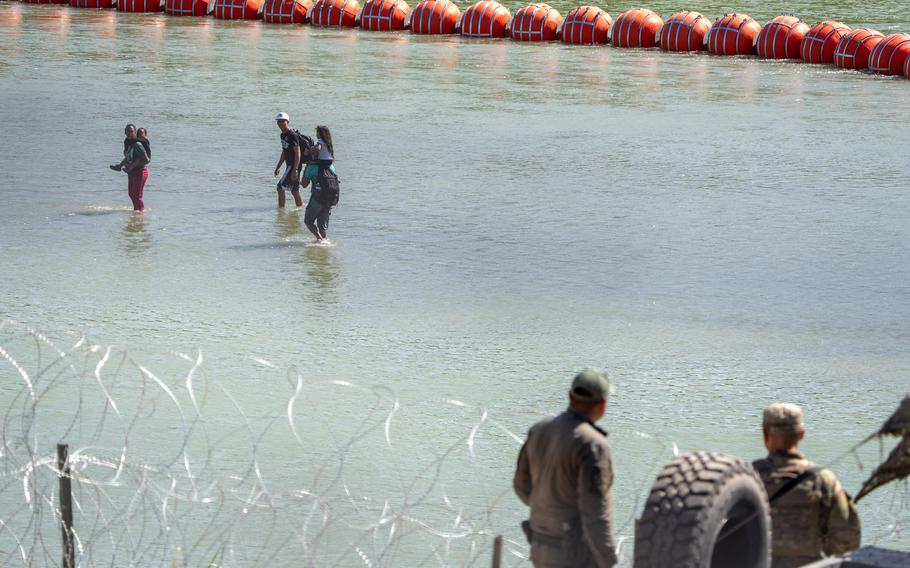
(317, 260)
(289, 230)
(322, 272)
(275, 245)
(289, 224)
(136, 238)
(244, 210)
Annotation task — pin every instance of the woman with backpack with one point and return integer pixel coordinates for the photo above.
(325, 188)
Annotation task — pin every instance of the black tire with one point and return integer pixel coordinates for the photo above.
(705, 510)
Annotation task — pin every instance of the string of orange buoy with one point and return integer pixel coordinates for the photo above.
(784, 37)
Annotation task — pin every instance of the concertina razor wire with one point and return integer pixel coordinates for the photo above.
(169, 469)
(175, 472)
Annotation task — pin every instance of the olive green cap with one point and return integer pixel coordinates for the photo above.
(590, 385)
(783, 416)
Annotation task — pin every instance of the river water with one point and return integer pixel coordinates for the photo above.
(718, 233)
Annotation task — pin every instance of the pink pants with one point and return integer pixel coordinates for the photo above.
(136, 183)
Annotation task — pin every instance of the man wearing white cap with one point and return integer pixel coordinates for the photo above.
(811, 514)
(565, 475)
(290, 155)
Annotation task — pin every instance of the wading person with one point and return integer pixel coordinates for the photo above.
(325, 187)
(290, 156)
(565, 475)
(811, 514)
(134, 161)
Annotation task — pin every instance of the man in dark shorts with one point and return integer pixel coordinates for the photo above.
(290, 156)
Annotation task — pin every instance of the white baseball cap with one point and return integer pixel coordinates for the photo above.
(282, 116)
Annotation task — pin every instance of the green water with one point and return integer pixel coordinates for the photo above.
(719, 233)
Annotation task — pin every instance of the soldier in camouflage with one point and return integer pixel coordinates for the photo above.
(565, 475)
(811, 514)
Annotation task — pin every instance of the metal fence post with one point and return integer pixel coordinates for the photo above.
(66, 506)
(497, 551)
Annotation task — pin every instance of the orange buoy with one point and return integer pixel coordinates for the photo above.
(637, 27)
(732, 34)
(335, 13)
(781, 38)
(285, 11)
(889, 55)
(684, 31)
(586, 25)
(486, 18)
(186, 7)
(819, 43)
(236, 9)
(536, 22)
(435, 17)
(384, 15)
(907, 68)
(103, 4)
(139, 5)
(854, 48)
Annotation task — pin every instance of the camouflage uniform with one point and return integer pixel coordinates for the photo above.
(564, 475)
(814, 517)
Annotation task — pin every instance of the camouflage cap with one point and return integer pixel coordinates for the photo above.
(783, 416)
(590, 385)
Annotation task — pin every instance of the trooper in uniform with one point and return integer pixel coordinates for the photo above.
(565, 475)
(811, 514)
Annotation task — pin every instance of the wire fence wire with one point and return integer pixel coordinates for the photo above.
(176, 472)
(169, 469)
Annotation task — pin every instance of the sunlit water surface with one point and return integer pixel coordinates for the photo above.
(719, 233)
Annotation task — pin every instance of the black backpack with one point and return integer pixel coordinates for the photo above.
(304, 141)
(329, 186)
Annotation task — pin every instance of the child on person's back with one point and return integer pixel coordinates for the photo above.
(142, 135)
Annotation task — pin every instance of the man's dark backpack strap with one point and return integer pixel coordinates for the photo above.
(788, 486)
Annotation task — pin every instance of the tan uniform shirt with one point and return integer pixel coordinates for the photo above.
(815, 517)
(564, 475)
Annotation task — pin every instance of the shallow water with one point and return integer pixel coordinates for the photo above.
(719, 233)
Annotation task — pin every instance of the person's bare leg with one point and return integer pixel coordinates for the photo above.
(322, 223)
(298, 201)
(311, 225)
(310, 218)
(280, 198)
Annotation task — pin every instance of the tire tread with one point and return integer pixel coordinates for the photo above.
(670, 531)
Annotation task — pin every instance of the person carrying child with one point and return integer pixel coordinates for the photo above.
(135, 159)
